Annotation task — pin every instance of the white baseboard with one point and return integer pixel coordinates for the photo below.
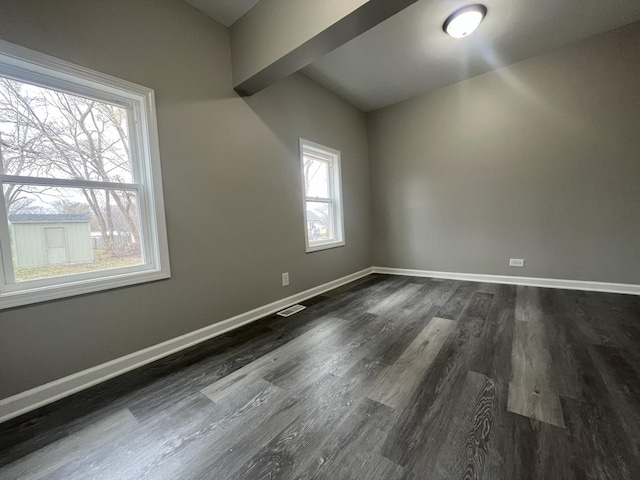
(528, 281)
(37, 397)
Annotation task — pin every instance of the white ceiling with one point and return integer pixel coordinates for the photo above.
(224, 11)
(409, 54)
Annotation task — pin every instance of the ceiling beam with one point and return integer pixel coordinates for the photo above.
(255, 71)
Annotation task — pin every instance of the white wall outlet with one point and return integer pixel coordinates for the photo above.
(516, 262)
(285, 279)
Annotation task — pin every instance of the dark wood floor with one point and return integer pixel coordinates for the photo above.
(386, 378)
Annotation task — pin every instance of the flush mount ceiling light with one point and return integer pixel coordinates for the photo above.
(464, 21)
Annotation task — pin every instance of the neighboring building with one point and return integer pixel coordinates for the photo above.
(48, 239)
(316, 226)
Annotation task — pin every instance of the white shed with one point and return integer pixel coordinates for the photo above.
(47, 239)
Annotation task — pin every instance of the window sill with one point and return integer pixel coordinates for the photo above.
(55, 292)
(324, 246)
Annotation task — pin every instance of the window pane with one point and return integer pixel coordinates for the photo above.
(46, 133)
(63, 231)
(319, 222)
(316, 174)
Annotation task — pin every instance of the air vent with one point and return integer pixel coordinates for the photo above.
(287, 312)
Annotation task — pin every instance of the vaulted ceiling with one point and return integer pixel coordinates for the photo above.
(409, 54)
(225, 12)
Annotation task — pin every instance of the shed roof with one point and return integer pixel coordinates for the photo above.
(313, 216)
(48, 217)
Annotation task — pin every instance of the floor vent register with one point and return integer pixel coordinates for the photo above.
(287, 312)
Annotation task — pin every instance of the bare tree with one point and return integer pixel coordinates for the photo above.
(312, 168)
(69, 206)
(25, 205)
(49, 133)
(20, 145)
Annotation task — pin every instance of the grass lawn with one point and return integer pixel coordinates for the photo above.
(101, 261)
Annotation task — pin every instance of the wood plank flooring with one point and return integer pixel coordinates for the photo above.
(385, 378)
(533, 390)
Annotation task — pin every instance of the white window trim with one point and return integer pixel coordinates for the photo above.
(336, 200)
(40, 69)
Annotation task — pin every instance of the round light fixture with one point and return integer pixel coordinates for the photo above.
(464, 21)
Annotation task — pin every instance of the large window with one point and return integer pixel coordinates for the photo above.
(80, 174)
(324, 227)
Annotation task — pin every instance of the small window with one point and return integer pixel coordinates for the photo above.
(80, 174)
(323, 220)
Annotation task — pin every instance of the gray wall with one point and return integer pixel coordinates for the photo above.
(231, 180)
(540, 160)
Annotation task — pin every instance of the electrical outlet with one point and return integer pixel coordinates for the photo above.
(285, 279)
(516, 262)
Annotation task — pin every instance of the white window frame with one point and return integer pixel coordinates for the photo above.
(36, 68)
(308, 147)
